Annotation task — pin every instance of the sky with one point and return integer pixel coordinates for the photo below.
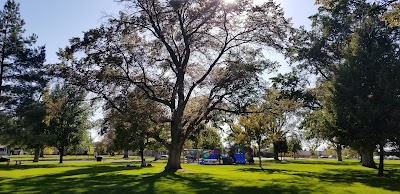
(57, 21)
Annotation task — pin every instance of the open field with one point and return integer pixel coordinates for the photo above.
(302, 176)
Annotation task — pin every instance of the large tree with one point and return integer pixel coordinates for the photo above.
(329, 50)
(366, 95)
(21, 65)
(67, 117)
(22, 77)
(173, 51)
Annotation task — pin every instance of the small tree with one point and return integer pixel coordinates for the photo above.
(208, 138)
(255, 126)
(67, 117)
(321, 123)
(282, 146)
(132, 121)
(280, 110)
(31, 128)
(294, 145)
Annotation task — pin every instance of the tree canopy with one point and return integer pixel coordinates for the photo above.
(352, 48)
(175, 50)
(21, 64)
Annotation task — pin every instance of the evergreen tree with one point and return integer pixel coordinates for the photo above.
(22, 79)
(366, 95)
(21, 65)
(350, 46)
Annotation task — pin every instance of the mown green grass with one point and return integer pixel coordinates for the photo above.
(301, 176)
(70, 158)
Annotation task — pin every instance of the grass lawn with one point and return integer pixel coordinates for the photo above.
(302, 176)
(69, 158)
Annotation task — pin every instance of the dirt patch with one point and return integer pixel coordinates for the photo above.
(184, 171)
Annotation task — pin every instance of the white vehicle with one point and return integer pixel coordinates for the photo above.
(163, 157)
(393, 158)
(378, 157)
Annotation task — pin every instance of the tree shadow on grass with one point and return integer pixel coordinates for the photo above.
(265, 170)
(25, 167)
(113, 179)
(73, 181)
(349, 176)
(204, 183)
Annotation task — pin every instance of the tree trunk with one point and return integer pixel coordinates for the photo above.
(259, 154)
(276, 152)
(174, 158)
(61, 154)
(42, 152)
(141, 150)
(37, 154)
(126, 154)
(367, 158)
(2, 65)
(1, 75)
(339, 152)
(381, 157)
(156, 156)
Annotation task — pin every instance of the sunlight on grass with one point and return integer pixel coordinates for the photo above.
(302, 176)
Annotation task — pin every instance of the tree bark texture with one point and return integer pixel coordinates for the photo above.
(126, 154)
(37, 154)
(381, 158)
(174, 158)
(339, 152)
(61, 154)
(276, 152)
(367, 158)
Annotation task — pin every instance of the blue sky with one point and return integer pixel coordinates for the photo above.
(56, 21)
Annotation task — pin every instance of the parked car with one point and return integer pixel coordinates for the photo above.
(323, 157)
(163, 157)
(331, 156)
(4, 159)
(378, 157)
(393, 158)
